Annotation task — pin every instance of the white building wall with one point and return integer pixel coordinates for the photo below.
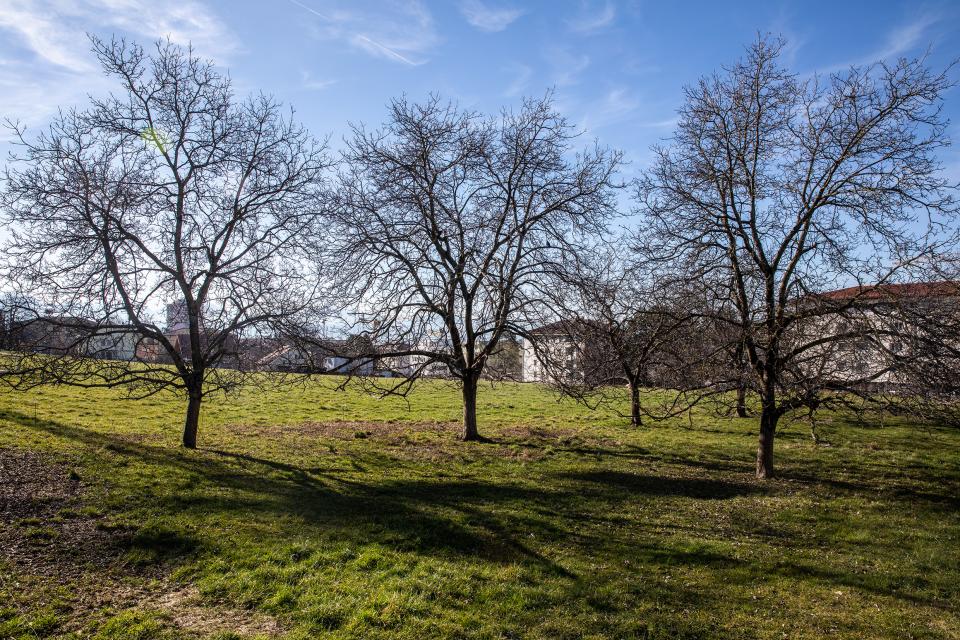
(562, 351)
(112, 346)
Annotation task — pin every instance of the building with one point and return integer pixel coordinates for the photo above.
(113, 345)
(177, 333)
(345, 356)
(68, 335)
(890, 342)
(553, 350)
(877, 337)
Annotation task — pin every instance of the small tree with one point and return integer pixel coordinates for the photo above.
(625, 325)
(171, 194)
(781, 187)
(446, 222)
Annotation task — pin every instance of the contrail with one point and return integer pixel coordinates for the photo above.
(387, 50)
(390, 53)
(311, 10)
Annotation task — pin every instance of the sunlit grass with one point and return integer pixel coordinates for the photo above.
(338, 514)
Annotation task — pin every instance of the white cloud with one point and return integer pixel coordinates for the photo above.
(616, 106)
(591, 19)
(54, 31)
(619, 101)
(397, 31)
(782, 26)
(47, 40)
(488, 18)
(666, 123)
(48, 63)
(375, 47)
(184, 22)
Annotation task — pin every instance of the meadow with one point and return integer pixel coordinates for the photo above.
(308, 512)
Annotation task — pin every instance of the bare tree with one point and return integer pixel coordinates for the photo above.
(778, 188)
(171, 195)
(618, 323)
(445, 224)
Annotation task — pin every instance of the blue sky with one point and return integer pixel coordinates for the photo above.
(617, 66)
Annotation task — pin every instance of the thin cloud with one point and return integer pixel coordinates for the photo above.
(567, 66)
(488, 18)
(783, 26)
(312, 10)
(49, 41)
(898, 42)
(666, 123)
(183, 22)
(55, 32)
(908, 36)
(374, 47)
(521, 80)
(617, 106)
(307, 81)
(591, 20)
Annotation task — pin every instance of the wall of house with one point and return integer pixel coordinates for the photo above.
(113, 346)
(856, 360)
(560, 350)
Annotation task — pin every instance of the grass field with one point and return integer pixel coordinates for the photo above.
(313, 513)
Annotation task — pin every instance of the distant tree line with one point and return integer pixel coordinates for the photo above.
(787, 229)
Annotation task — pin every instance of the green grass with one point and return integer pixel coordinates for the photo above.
(310, 513)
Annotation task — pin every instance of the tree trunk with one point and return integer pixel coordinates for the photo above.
(768, 429)
(470, 408)
(742, 401)
(635, 418)
(740, 363)
(193, 419)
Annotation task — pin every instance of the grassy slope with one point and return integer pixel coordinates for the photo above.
(568, 526)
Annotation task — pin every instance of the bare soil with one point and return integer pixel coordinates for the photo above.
(50, 541)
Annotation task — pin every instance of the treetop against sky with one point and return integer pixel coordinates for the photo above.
(617, 67)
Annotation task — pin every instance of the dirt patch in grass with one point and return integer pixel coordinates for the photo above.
(42, 528)
(185, 610)
(32, 485)
(431, 441)
(534, 433)
(438, 441)
(52, 543)
(402, 432)
(349, 430)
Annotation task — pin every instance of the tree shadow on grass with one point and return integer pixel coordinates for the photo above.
(947, 502)
(495, 522)
(406, 512)
(870, 583)
(651, 485)
(564, 445)
(439, 517)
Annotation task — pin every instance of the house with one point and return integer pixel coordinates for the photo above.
(395, 366)
(876, 338)
(177, 333)
(407, 364)
(887, 349)
(321, 356)
(69, 335)
(113, 345)
(550, 349)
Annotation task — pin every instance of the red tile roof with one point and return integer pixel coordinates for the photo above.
(939, 289)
